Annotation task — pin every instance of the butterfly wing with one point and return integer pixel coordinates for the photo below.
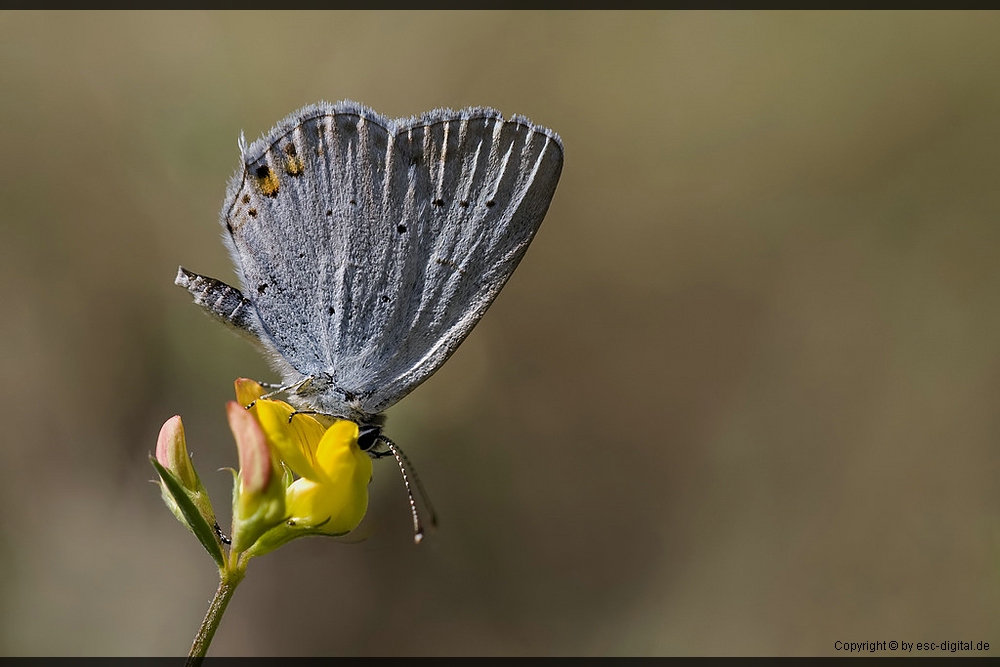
(476, 188)
(370, 248)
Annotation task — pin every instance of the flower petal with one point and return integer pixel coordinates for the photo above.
(248, 391)
(251, 391)
(337, 506)
(334, 449)
(334, 508)
(295, 442)
(251, 444)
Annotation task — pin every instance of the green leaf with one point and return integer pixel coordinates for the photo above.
(193, 518)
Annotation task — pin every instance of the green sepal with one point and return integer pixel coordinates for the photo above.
(281, 535)
(187, 512)
(268, 511)
(286, 475)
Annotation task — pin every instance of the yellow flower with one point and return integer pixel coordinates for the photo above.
(330, 495)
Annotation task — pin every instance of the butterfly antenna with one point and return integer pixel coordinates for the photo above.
(418, 484)
(404, 463)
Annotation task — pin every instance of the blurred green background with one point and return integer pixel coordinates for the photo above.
(739, 398)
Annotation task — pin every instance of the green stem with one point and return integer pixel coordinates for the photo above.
(229, 579)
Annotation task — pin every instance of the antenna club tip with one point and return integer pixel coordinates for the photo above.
(418, 536)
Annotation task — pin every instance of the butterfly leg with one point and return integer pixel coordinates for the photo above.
(269, 385)
(302, 412)
(278, 389)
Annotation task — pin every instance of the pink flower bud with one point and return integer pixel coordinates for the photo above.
(255, 456)
(172, 454)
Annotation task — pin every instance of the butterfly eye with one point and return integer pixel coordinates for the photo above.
(368, 436)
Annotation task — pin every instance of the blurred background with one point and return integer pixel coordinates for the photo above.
(739, 398)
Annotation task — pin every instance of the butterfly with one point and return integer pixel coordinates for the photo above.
(368, 248)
